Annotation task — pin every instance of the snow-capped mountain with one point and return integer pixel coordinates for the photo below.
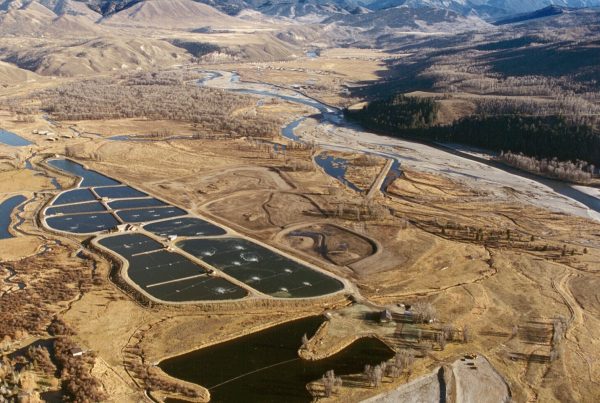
(484, 8)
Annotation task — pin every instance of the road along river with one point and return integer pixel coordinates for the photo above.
(500, 182)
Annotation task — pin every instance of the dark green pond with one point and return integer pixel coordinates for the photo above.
(264, 366)
(261, 268)
(167, 275)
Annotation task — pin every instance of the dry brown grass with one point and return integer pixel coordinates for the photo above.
(429, 251)
(325, 77)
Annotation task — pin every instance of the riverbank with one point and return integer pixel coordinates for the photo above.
(478, 173)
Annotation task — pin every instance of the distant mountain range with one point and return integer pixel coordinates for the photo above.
(321, 9)
(489, 9)
(73, 37)
(484, 8)
(544, 12)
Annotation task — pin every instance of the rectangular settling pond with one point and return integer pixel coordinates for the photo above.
(119, 192)
(82, 223)
(150, 214)
(261, 268)
(166, 275)
(136, 203)
(76, 208)
(186, 226)
(74, 196)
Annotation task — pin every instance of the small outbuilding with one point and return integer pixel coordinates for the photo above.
(76, 352)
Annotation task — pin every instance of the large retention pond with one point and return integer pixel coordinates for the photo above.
(157, 265)
(265, 367)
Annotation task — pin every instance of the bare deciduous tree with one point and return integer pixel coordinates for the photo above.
(466, 333)
(304, 340)
(331, 383)
(423, 312)
(579, 171)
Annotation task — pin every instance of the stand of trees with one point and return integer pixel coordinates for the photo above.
(402, 362)
(551, 136)
(398, 112)
(78, 384)
(330, 383)
(30, 310)
(155, 96)
(196, 49)
(578, 171)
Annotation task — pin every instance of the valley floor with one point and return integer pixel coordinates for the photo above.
(509, 265)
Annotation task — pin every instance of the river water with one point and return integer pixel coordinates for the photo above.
(346, 136)
(6, 209)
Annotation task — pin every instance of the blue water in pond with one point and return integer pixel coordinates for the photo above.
(136, 203)
(92, 207)
(74, 196)
(149, 214)
(83, 223)
(185, 226)
(13, 139)
(90, 178)
(119, 192)
(6, 209)
(335, 167)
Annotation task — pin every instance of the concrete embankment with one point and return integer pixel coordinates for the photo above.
(375, 188)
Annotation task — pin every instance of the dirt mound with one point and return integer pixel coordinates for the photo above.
(10, 74)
